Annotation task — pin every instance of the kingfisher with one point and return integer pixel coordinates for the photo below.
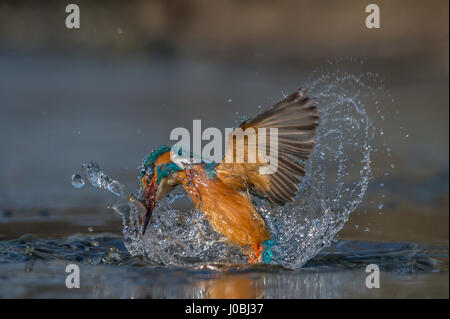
(225, 191)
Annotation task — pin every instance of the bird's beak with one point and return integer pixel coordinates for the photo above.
(149, 199)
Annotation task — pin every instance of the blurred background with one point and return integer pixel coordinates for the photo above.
(113, 90)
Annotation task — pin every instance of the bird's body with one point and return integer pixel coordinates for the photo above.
(223, 191)
(229, 210)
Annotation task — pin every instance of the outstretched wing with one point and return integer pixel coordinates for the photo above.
(296, 119)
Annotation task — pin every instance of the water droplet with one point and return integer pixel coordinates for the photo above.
(230, 100)
(115, 188)
(29, 249)
(77, 181)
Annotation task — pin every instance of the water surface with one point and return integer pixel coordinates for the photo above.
(31, 267)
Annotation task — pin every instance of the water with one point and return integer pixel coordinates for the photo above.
(114, 123)
(77, 181)
(337, 178)
(35, 268)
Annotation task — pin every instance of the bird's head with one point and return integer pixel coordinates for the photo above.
(158, 177)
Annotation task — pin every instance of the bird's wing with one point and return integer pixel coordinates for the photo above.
(296, 119)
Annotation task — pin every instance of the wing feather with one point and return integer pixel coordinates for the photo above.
(296, 118)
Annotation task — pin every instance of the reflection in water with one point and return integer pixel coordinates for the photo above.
(233, 287)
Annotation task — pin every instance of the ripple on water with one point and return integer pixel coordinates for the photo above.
(108, 249)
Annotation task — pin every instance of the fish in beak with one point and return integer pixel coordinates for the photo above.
(156, 185)
(150, 189)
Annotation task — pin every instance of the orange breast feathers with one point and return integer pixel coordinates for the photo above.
(229, 211)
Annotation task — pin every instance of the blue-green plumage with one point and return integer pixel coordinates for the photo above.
(153, 156)
(164, 170)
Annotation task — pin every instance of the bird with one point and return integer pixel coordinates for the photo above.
(225, 191)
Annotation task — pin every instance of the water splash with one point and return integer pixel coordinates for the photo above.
(77, 181)
(338, 171)
(338, 175)
(128, 207)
